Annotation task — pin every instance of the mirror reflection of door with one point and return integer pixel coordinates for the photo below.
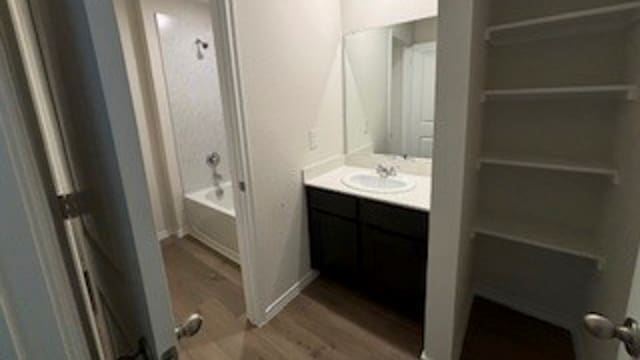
(421, 99)
(390, 89)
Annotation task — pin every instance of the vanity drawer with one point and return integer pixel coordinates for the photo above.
(332, 203)
(399, 220)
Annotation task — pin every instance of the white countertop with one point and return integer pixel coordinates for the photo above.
(419, 198)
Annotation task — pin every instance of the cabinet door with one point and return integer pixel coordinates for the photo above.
(334, 245)
(394, 269)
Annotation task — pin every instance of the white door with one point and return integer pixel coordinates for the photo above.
(420, 135)
(87, 122)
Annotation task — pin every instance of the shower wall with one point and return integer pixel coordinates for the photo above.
(193, 92)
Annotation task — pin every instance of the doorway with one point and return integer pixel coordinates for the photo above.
(172, 63)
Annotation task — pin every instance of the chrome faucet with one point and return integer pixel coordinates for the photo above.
(213, 160)
(385, 171)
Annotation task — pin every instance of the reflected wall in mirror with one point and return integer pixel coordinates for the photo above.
(389, 79)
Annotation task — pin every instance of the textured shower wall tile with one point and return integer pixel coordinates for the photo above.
(194, 94)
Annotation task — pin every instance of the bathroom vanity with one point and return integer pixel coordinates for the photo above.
(369, 208)
(373, 242)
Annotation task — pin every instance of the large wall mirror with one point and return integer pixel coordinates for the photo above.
(389, 79)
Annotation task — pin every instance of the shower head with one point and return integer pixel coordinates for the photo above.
(201, 45)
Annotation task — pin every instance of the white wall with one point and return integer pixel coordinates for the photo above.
(194, 93)
(457, 134)
(363, 14)
(290, 62)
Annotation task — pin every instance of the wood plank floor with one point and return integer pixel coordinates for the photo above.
(326, 322)
(330, 322)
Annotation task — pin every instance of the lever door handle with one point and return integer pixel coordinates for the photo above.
(190, 327)
(628, 333)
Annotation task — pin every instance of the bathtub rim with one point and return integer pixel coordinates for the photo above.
(200, 197)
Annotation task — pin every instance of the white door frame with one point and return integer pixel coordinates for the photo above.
(392, 136)
(35, 74)
(43, 295)
(159, 101)
(407, 101)
(236, 127)
(413, 116)
(389, 95)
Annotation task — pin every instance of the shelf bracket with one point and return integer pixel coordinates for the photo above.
(633, 94)
(615, 178)
(487, 34)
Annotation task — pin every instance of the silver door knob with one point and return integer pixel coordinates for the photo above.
(602, 328)
(190, 327)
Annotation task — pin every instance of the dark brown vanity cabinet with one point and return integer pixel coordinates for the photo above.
(376, 248)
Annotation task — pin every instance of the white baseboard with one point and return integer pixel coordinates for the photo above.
(215, 245)
(166, 234)
(181, 232)
(291, 293)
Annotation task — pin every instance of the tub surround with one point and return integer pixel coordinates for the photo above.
(212, 220)
(419, 198)
(193, 92)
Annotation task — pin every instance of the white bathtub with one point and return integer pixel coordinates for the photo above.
(212, 220)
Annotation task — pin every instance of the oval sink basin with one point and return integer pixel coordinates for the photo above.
(374, 183)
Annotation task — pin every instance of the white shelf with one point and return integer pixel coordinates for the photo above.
(546, 236)
(630, 92)
(553, 165)
(566, 24)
